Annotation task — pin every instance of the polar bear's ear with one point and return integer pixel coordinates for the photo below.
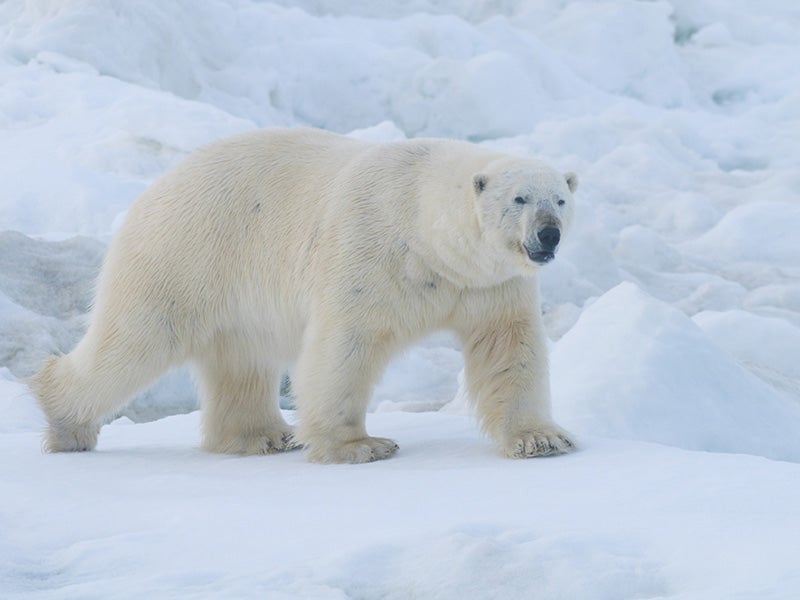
(479, 181)
(572, 181)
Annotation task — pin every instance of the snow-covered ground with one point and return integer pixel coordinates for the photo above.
(150, 516)
(673, 309)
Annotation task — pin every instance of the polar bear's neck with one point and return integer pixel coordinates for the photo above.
(460, 256)
(449, 228)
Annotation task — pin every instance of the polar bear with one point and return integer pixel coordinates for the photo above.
(309, 250)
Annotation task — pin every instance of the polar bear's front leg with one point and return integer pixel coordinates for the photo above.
(333, 380)
(507, 378)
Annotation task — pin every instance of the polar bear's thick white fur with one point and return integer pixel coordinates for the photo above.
(312, 251)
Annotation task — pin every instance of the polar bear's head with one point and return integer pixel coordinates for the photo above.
(524, 208)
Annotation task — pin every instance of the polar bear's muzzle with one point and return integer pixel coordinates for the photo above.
(540, 256)
(543, 249)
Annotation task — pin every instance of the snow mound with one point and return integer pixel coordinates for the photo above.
(45, 291)
(652, 74)
(635, 368)
(763, 232)
(774, 358)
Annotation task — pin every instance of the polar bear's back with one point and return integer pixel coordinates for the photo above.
(247, 174)
(225, 233)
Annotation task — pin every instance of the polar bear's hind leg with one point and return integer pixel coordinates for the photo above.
(79, 390)
(239, 396)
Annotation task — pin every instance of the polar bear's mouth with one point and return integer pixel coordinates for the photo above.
(539, 256)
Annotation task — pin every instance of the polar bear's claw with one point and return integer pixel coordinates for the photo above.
(542, 441)
(286, 442)
(273, 444)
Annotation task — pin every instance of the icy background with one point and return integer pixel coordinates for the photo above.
(673, 308)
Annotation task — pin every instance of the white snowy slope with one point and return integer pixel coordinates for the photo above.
(673, 307)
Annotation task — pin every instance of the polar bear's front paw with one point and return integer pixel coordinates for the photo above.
(543, 440)
(368, 449)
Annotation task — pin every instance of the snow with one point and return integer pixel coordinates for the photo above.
(148, 514)
(673, 308)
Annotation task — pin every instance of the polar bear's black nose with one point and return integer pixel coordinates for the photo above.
(549, 237)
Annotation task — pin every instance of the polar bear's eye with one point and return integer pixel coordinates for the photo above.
(561, 202)
(520, 200)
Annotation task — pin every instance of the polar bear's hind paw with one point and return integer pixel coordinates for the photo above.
(364, 450)
(267, 442)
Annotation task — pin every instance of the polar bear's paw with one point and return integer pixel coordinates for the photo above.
(543, 440)
(64, 437)
(278, 441)
(368, 449)
(270, 442)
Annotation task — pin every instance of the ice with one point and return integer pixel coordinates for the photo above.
(673, 308)
(758, 232)
(635, 368)
(774, 359)
(45, 292)
(80, 147)
(586, 32)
